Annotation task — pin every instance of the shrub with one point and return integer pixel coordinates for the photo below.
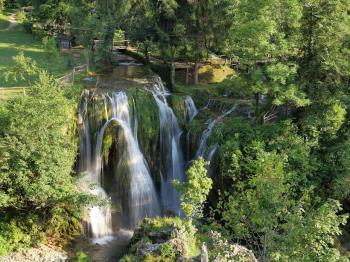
(50, 47)
(167, 250)
(129, 258)
(28, 26)
(82, 257)
(2, 6)
(20, 16)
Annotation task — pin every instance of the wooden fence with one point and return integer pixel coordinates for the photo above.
(69, 78)
(8, 92)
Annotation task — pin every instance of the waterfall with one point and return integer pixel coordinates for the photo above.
(99, 217)
(85, 143)
(201, 151)
(136, 120)
(105, 106)
(142, 197)
(190, 109)
(171, 159)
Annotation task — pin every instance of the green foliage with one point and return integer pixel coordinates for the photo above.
(37, 154)
(129, 258)
(24, 68)
(167, 251)
(2, 6)
(20, 16)
(119, 35)
(82, 257)
(12, 237)
(194, 192)
(269, 209)
(175, 240)
(50, 49)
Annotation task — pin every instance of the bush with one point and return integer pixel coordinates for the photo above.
(12, 237)
(28, 25)
(82, 257)
(20, 16)
(167, 250)
(2, 6)
(38, 197)
(129, 258)
(50, 47)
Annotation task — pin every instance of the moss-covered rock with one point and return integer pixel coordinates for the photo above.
(148, 127)
(161, 239)
(178, 106)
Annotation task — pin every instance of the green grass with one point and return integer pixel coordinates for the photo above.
(4, 23)
(17, 40)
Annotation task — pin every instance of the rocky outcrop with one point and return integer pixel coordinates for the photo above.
(224, 251)
(160, 238)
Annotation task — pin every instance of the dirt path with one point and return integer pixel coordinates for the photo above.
(13, 23)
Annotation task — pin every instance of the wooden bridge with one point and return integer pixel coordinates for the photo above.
(116, 45)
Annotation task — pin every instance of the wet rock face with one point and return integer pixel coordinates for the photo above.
(41, 253)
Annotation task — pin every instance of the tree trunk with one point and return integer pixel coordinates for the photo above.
(257, 102)
(187, 74)
(195, 73)
(172, 74)
(146, 53)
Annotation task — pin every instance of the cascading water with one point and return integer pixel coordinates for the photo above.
(171, 159)
(99, 218)
(201, 151)
(141, 197)
(190, 109)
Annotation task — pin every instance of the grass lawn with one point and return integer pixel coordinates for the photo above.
(16, 40)
(4, 23)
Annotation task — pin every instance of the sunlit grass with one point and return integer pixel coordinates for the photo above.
(16, 40)
(4, 23)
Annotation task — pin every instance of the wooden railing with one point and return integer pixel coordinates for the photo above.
(69, 78)
(8, 92)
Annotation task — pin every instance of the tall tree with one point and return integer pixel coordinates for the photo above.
(264, 40)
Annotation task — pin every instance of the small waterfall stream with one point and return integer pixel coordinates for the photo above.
(190, 109)
(202, 149)
(171, 159)
(99, 218)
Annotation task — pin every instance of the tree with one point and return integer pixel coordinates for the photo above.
(50, 48)
(53, 15)
(38, 196)
(324, 67)
(141, 25)
(264, 40)
(204, 21)
(278, 219)
(194, 192)
(2, 6)
(24, 68)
